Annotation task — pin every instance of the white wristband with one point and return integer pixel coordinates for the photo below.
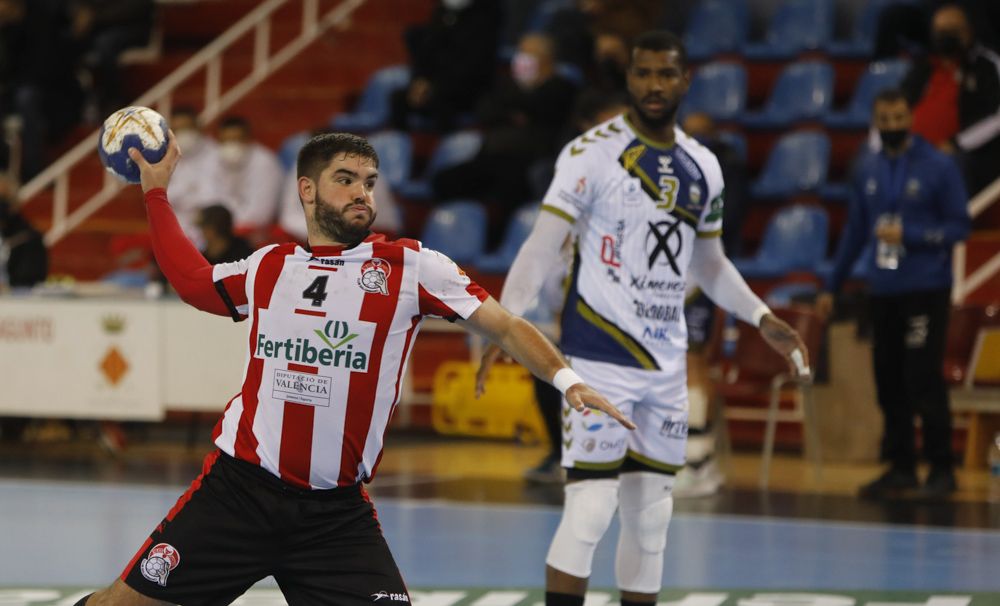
(758, 315)
(564, 379)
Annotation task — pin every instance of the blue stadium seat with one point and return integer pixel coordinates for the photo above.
(795, 240)
(719, 90)
(735, 140)
(714, 27)
(395, 154)
(797, 164)
(788, 293)
(797, 25)
(457, 229)
(288, 153)
(804, 91)
(373, 108)
(861, 43)
(879, 76)
(452, 150)
(517, 232)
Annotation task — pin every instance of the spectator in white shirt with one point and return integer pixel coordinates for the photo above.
(250, 176)
(196, 182)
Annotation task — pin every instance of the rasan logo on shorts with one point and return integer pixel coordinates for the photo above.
(335, 348)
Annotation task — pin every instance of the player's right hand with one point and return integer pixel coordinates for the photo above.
(582, 396)
(153, 176)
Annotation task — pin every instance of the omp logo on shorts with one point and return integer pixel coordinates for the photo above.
(390, 597)
(375, 276)
(161, 560)
(335, 347)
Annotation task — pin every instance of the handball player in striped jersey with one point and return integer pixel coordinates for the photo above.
(329, 331)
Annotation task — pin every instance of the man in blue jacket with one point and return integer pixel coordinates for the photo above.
(908, 201)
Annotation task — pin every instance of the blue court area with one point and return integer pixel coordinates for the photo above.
(66, 534)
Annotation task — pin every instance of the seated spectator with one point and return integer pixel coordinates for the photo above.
(734, 173)
(24, 260)
(221, 244)
(523, 118)
(197, 182)
(452, 59)
(103, 29)
(250, 176)
(955, 95)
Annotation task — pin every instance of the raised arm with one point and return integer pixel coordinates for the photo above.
(183, 265)
(531, 349)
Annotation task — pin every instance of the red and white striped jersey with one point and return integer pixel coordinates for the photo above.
(330, 331)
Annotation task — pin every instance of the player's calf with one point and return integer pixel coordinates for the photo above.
(645, 508)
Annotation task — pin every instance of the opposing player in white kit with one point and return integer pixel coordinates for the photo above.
(330, 328)
(644, 202)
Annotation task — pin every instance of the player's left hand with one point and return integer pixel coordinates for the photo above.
(582, 396)
(158, 174)
(784, 340)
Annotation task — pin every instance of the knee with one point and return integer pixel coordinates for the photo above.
(645, 508)
(588, 511)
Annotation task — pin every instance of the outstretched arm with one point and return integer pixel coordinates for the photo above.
(530, 347)
(185, 268)
(717, 276)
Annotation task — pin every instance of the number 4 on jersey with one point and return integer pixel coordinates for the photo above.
(316, 291)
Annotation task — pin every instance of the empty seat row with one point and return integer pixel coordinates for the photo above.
(803, 91)
(718, 27)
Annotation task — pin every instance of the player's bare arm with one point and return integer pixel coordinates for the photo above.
(529, 347)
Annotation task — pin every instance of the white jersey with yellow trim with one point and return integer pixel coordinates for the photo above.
(637, 206)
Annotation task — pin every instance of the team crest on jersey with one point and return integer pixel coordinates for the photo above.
(375, 276)
(161, 560)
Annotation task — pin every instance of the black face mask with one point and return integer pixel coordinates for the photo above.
(947, 44)
(893, 139)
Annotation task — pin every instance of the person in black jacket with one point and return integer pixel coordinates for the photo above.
(21, 246)
(451, 63)
(522, 118)
(955, 95)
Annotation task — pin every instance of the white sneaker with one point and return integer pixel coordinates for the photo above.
(702, 480)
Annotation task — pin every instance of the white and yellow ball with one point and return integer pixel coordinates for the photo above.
(138, 127)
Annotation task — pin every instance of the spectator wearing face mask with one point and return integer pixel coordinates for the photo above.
(522, 118)
(955, 93)
(197, 180)
(250, 177)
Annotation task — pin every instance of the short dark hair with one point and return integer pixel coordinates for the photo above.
(891, 95)
(316, 154)
(217, 217)
(235, 122)
(661, 40)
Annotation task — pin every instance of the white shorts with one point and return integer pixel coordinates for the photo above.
(655, 400)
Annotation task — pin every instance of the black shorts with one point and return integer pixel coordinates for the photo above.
(237, 524)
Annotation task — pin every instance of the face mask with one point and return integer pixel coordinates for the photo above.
(232, 153)
(188, 139)
(455, 5)
(524, 69)
(947, 43)
(893, 139)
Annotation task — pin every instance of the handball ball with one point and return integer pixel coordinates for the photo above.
(138, 127)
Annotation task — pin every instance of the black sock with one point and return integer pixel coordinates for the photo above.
(83, 600)
(634, 603)
(562, 599)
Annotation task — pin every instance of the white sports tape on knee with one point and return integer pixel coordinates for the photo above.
(590, 505)
(697, 407)
(645, 508)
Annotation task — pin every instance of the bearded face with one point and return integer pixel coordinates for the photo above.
(349, 225)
